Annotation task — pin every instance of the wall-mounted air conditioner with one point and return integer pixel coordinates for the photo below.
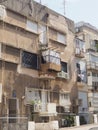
(63, 74)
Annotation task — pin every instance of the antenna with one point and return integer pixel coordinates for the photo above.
(64, 3)
(40, 1)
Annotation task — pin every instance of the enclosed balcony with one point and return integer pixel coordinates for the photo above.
(79, 48)
(93, 46)
(50, 61)
(79, 53)
(50, 109)
(80, 80)
(92, 65)
(81, 73)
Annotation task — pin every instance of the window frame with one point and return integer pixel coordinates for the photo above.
(26, 65)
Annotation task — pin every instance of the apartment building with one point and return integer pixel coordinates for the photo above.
(81, 81)
(89, 34)
(36, 61)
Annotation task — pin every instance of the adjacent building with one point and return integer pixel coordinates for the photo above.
(81, 79)
(89, 34)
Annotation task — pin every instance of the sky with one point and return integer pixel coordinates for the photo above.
(76, 10)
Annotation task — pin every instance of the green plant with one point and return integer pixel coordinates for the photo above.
(69, 120)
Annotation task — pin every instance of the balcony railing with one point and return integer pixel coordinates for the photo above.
(50, 60)
(91, 109)
(48, 108)
(44, 108)
(50, 66)
(80, 81)
(66, 103)
(79, 53)
(93, 48)
(80, 84)
(92, 65)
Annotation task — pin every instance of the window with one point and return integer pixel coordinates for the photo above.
(80, 102)
(32, 26)
(64, 96)
(96, 44)
(80, 46)
(81, 71)
(90, 104)
(13, 107)
(61, 38)
(30, 60)
(64, 67)
(93, 58)
(94, 74)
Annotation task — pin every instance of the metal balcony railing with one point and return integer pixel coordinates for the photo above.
(92, 65)
(79, 52)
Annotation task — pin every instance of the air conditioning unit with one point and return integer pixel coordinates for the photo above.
(62, 74)
(37, 107)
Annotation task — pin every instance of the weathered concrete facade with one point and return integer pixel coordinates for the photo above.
(37, 61)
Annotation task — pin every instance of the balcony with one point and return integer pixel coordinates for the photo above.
(80, 84)
(90, 95)
(64, 103)
(93, 46)
(92, 65)
(44, 108)
(83, 110)
(79, 53)
(50, 61)
(94, 79)
(91, 109)
(50, 66)
(63, 75)
(49, 109)
(80, 80)
(79, 48)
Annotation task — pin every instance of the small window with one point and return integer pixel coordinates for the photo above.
(30, 60)
(80, 102)
(90, 104)
(61, 38)
(32, 26)
(64, 96)
(64, 66)
(93, 74)
(96, 44)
